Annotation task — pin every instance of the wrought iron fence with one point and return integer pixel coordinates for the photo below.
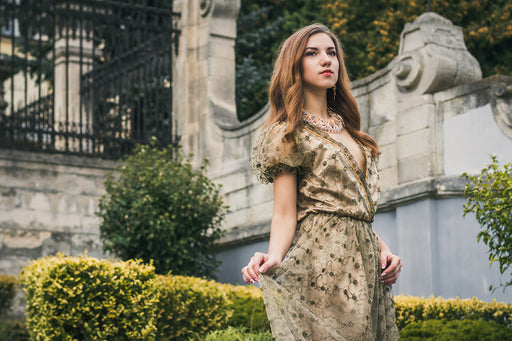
(90, 77)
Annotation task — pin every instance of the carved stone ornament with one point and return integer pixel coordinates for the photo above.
(501, 103)
(407, 72)
(205, 7)
(433, 57)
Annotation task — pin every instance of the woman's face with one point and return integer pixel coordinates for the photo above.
(320, 65)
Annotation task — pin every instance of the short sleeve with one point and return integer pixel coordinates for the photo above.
(271, 155)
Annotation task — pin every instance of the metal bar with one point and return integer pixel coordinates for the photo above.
(40, 78)
(81, 61)
(53, 28)
(66, 32)
(124, 95)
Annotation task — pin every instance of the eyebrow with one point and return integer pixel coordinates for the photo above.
(316, 48)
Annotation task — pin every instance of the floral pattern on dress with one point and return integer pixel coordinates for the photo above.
(328, 287)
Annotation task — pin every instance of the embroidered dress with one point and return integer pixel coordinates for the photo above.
(328, 286)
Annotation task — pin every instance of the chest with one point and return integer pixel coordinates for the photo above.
(353, 147)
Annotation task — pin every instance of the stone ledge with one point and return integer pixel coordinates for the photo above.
(47, 158)
(246, 235)
(437, 188)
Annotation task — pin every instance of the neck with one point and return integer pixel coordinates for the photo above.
(316, 102)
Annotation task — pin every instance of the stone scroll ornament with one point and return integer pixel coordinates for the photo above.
(205, 6)
(501, 103)
(433, 57)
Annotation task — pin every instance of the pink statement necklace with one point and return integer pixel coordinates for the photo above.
(333, 124)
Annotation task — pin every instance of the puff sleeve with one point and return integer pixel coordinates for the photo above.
(271, 156)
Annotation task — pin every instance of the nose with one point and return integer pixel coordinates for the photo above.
(326, 60)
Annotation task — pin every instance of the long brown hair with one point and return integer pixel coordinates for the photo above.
(286, 100)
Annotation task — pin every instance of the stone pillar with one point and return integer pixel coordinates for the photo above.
(73, 58)
(432, 58)
(204, 102)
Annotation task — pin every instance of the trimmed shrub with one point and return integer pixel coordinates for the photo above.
(13, 331)
(83, 298)
(248, 310)
(237, 334)
(465, 330)
(161, 209)
(190, 306)
(8, 289)
(411, 309)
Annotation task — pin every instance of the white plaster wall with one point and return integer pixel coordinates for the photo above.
(470, 139)
(233, 259)
(440, 251)
(437, 245)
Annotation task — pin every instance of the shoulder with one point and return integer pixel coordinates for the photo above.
(278, 127)
(273, 134)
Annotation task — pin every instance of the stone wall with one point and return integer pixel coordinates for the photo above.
(434, 118)
(47, 205)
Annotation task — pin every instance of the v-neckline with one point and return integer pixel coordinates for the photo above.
(362, 173)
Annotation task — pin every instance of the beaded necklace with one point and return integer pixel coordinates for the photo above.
(334, 124)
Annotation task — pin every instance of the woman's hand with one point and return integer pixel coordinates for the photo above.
(391, 267)
(259, 263)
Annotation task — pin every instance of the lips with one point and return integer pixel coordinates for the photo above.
(327, 72)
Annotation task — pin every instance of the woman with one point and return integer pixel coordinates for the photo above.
(334, 283)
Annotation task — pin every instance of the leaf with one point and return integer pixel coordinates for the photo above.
(488, 196)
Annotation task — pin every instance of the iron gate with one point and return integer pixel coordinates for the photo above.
(89, 77)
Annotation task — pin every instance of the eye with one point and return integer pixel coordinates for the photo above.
(310, 53)
(331, 53)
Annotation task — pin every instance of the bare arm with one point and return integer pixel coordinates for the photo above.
(391, 264)
(282, 228)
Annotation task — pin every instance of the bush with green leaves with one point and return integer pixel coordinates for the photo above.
(456, 330)
(489, 196)
(12, 330)
(160, 208)
(8, 289)
(190, 306)
(410, 309)
(83, 298)
(247, 307)
(236, 334)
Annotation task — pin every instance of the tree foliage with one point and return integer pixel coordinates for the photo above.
(261, 28)
(159, 208)
(489, 196)
(369, 31)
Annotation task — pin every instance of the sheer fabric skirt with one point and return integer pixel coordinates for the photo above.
(328, 287)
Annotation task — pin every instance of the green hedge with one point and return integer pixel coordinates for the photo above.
(237, 334)
(85, 298)
(82, 298)
(411, 309)
(456, 330)
(13, 331)
(190, 306)
(8, 289)
(248, 310)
